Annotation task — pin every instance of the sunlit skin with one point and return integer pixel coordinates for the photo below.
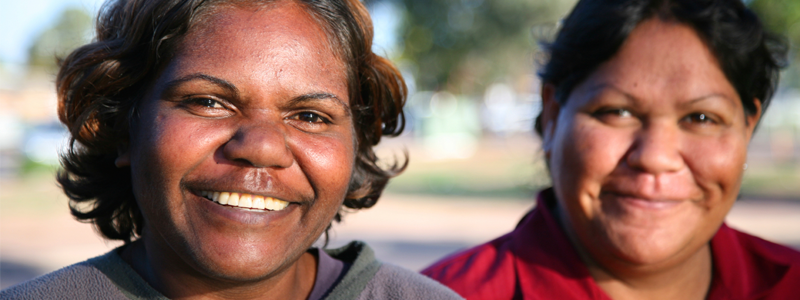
(255, 101)
(646, 158)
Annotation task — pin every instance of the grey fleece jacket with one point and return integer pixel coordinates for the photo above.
(109, 277)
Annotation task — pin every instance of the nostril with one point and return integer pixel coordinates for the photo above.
(245, 162)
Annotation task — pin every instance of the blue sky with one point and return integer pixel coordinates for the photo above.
(23, 20)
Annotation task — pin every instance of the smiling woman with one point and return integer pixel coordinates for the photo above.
(219, 140)
(648, 108)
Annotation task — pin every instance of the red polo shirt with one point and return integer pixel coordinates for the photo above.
(537, 261)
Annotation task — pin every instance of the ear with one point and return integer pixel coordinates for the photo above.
(752, 119)
(123, 156)
(550, 111)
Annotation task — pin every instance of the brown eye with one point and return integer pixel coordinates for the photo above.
(700, 118)
(614, 116)
(624, 113)
(310, 117)
(615, 112)
(206, 107)
(209, 103)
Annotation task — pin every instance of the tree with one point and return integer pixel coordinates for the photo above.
(465, 45)
(72, 29)
(783, 17)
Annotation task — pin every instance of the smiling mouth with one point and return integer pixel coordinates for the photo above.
(244, 200)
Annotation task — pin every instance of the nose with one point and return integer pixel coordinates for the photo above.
(260, 145)
(656, 150)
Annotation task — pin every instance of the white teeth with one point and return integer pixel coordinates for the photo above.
(223, 198)
(234, 199)
(275, 204)
(245, 200)
(258, 202)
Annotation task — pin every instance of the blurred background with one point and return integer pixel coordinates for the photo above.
(475, 163)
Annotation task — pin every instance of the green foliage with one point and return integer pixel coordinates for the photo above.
(71, 30)
(31, 167)
(783, 17)
(464, 45)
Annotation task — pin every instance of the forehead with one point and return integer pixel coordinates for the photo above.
(264, 42)
(665, 59)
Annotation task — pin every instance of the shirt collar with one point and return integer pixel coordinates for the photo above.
(745, 267)
(545, 258)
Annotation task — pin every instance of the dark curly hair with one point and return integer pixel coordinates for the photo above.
(100, 83)
(594, 31)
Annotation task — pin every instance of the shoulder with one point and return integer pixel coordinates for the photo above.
(750, 265)
(474, 260)
(487, 268)
(79, 281)
(754, 249)
(393, 282)
(367, 278)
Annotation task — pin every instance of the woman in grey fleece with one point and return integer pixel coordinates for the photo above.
(219, 139)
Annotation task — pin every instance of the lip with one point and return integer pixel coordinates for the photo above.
(244, 216)
(641, 202)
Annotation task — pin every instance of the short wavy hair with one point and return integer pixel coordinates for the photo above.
(593, 32)
(100, 83)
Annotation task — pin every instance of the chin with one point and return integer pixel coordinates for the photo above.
(241, 269)
(650, 246)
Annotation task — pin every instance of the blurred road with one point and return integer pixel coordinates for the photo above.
(408, 230)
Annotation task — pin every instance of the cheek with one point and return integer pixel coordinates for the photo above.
(585, 153)
(327, 162)
(174, 145)
(717, 163)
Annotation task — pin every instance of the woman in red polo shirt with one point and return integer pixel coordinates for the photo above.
(648, 108)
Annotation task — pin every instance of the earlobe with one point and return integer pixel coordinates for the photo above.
(123, 157)
(549, 117)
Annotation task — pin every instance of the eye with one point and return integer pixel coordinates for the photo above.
(206, 102)
(310, 121)
(614, 112)
(206, 107)
(620, 112)
(700, 118)
(615, 116)
(310, 117)
(704, 123)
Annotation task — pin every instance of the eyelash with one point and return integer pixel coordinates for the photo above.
(211, 107)
(702, 118)
(311, 115)
(616, 112)
(694, 117)
(204, 102)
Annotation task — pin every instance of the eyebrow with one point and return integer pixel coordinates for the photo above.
(200, 76)
(598, 88)
(705, 97)
(631, 97)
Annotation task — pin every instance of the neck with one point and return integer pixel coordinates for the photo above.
(687, 279)
(174, 278)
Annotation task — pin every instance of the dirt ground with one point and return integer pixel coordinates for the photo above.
(407, 230)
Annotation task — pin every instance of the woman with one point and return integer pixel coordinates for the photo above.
(219, 139)
(648, 108)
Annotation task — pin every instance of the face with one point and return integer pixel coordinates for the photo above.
(647, 154)
(253, 107)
